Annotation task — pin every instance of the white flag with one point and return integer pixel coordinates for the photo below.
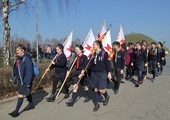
(67, 46)
(88, 43)
(121, 38)
(105, 36)
(102, 31)
(107, 44)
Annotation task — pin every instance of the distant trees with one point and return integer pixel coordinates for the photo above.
(8, 6)
(15, 40)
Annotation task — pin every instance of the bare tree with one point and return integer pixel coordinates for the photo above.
(8, 6)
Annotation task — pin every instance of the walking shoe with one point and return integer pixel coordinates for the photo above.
(140, 82)
(106, 100)
(67, 95)
(137, 84)
(116, 91)
(87, 99)
(70, 103)
(48, 98)
(14, 114)
(96, 107)
(51, 98)
(153, 80)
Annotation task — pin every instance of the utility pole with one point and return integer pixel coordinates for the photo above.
(37, 34)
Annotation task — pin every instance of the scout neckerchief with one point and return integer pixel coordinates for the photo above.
(78, 61)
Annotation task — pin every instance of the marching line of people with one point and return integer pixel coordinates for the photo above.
(93, 73)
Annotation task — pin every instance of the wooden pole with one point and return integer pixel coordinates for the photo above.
(44, 74)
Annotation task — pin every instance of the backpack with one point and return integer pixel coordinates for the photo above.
(36, 71)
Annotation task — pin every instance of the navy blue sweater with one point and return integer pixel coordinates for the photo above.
(161, 53)
(119, 63)
(102, 62)
(154, 55)
(60, 64)
(142, 57)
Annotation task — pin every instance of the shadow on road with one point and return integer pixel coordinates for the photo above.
(38, 96)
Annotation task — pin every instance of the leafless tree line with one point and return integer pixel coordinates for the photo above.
(15, 40)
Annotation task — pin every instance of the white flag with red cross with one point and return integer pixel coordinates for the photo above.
(67, 46)
(88, 44)
(104, 35)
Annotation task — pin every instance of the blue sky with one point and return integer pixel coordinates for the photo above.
(150, 17)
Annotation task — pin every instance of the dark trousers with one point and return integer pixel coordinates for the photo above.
(129, 71)
(118, 78)
(160, 69)
(55, 82)
(153, 64)
(140, 76)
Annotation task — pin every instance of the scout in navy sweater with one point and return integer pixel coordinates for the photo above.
(100, 71)
(23, 74)
(79, 73)
(154, 59)
(119, 63)
(161, 52)
(140, 60)
(58, 77)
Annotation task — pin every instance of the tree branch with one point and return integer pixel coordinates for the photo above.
(13, 9)
(17, 3)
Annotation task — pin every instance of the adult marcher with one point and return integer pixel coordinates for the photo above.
(23, 76)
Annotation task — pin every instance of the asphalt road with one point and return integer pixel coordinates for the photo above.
(150, 101)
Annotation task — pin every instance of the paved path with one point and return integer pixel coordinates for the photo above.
(151, 101)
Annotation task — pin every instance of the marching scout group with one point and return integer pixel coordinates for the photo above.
(98, 69)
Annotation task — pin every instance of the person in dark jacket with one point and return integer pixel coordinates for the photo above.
(145, 47)
(29, 48)
(154, 59)
(140, 61)
(100, 71)
(60, 65)
(161, 52)
(22, 75)
(79, 73)
(119, 63)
